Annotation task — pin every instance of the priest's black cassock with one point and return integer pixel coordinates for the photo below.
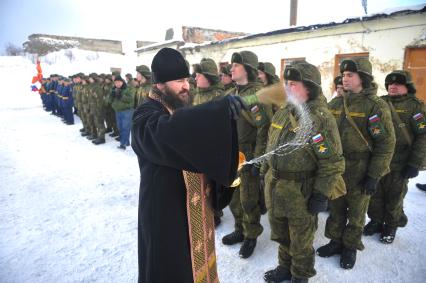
(201, 139)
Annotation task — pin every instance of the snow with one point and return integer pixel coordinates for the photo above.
(68, 209)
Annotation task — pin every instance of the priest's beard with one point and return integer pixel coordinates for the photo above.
(176, 100)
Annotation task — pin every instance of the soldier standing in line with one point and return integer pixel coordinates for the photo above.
(110, 113)
(338, 86)
(99, 110)
(252, 134)
(266, 73)
(88, 106)
(299, 184)
(143, 76)
(408, 115)
(209, 88)
(368, 141)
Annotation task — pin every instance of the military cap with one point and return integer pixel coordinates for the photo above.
(400, 77)
(247, 58)
(267, 68)
(357, 65)
(338, 81)
(93, 75)
(207, 66)
(226, 69)
(144, 71)
(303, 71)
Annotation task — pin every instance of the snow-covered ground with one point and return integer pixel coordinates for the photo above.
(68, 209)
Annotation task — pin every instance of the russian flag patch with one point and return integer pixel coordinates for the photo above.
(374, 118)
(317, 138)
(418, 116)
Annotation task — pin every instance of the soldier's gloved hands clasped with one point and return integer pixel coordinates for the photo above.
(409, 172)
(369, 185)
(236, 104)
(317, 203)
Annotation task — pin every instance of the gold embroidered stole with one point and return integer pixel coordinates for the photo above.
(201, 228)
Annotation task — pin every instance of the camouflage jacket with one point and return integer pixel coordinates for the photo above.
(208, 94)
(142, 93)
(411, 112)
(320, 158)
(254, 124)
(372, 116)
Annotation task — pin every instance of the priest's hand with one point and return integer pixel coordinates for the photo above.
(236, 105)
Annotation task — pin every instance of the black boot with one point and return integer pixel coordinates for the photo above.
(82, 130)
(372, 228)
(421, 187)
(233, 238)
(348, 258)
(299, 280)
(388, 235)
(113, 134)
(278, 274)
(90, 137)
(332, 248)
(83, 134)
(98, 141)
(217, 221)
(117, 138)
(247, 248)
(108, 130)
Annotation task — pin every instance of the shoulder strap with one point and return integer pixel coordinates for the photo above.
(353, 124)
(401, 125)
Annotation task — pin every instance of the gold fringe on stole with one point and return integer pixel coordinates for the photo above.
(201, 228)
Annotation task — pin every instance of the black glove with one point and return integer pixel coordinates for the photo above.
(317, 203)
(236, 104)
(254, 170)
(369, 185)
(409, 172)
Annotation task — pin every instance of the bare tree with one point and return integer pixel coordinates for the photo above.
(13, 50)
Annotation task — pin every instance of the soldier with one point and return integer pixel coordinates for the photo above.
(338, 86)
(208, 83)
(299, 184)
(208, 88)
(99, 110)
(143, 75)
(226, 77)
(122, 101)
(266, 73)
(109, 119)
(110, 113)
(88, 107)
(408, 115)
(252, 134)
(76, 93)
(368, 140)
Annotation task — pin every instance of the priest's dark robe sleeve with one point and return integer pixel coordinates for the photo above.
(200, 139)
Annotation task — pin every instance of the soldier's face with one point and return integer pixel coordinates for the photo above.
(351, 82)
(339, 90)
(397, 89)
(118, 83)
(225, 79)
(262, 76)
(238, 73)
(297, 91)
(202, 81)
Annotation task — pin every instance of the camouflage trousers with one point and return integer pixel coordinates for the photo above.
(110, 119)
(296, 237)
(292, 226)
(386, 205)
(245, 206)
(99, 119)
(347, 218)
(90, 123)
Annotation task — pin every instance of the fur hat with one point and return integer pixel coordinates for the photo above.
(168, 65)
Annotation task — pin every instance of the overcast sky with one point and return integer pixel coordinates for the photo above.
(148, 20)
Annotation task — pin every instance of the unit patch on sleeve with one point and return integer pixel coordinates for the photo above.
(375, 127)
(420, 123)
(321, 146)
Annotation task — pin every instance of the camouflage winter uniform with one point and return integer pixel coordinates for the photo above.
(373, 119)
(386, 205)
(99, 109)
(292, 178)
